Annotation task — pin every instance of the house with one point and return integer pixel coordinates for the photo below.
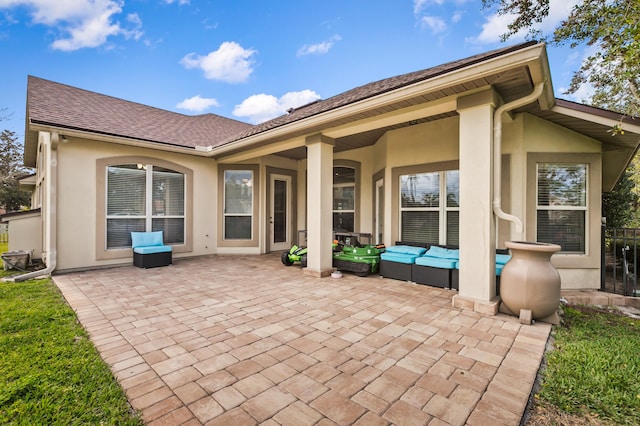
(473, 153)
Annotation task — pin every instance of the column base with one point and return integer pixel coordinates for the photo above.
(481, 306)
(317, 274)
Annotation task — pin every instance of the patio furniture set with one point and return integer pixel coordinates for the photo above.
(433, 265)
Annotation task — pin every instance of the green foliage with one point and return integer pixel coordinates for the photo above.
(594, 368)
(50, 372)
(11, 170)
(620, 205)
(613, 69)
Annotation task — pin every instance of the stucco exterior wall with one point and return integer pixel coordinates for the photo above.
(432, 142)
(77, 200)
(423, 144)
(528, 136)
(25, 233)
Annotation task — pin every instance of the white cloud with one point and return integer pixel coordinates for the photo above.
(420, 5)
(231, 63)
(495, 25)
(435, 24)
(457, 16)
(84, 23)
(318, 48)
(262, 107)
(197, 103)
(180, 2)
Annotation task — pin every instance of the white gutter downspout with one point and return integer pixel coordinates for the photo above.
(497, 153)
(51, 213)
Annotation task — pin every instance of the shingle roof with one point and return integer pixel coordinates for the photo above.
(56, 104)
(60, 105)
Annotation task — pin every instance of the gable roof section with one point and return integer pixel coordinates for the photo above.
(377, 88)
(597, 123)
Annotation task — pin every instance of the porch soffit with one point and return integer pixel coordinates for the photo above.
(509, 85)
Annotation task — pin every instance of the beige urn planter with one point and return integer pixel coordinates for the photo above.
(530, 284)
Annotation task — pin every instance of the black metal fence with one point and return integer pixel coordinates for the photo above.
(620, 261)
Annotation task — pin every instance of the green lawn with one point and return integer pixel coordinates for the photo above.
(50, 373)
(593, 371)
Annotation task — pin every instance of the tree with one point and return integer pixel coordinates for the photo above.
(11, 170)
(613, 70)
(619, 205)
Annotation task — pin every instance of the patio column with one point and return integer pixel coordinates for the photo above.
(319, 205)
(477, 285)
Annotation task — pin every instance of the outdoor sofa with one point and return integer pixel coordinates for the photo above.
(396, 260)
(434, 265)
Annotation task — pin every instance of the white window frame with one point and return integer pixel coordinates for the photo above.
(355, 195)
(442, 209)
(224, 207)
(584, 208)
(148, 216)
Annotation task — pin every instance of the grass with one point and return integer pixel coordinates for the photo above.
(593, 371)
(50, 372)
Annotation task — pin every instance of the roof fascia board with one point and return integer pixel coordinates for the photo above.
(403, 115)
(525, 57)
(118, 140)
(597, 119)
(269, 149)
(541, 72)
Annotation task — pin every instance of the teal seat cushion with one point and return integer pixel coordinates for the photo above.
(436, 262)
(398, 257)
(501, 259)
(146, 239)
(443, 253)
(152, 249)
(416, 251)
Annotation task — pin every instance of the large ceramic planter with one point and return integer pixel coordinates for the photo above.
(529, 281)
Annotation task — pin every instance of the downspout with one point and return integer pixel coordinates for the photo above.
(51, 227)
(497, 153)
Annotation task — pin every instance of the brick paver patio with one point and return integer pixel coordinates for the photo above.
(234, 340)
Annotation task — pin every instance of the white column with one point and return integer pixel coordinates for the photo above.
(477, 288)
(319, 205)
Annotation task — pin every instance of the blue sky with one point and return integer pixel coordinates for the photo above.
(248, 60)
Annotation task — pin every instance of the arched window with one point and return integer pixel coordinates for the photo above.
(144, 197)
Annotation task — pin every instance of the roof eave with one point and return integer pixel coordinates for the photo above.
(534, 57)
(35, 128)
(617, 158)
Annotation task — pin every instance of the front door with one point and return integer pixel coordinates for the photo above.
(280, 213)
